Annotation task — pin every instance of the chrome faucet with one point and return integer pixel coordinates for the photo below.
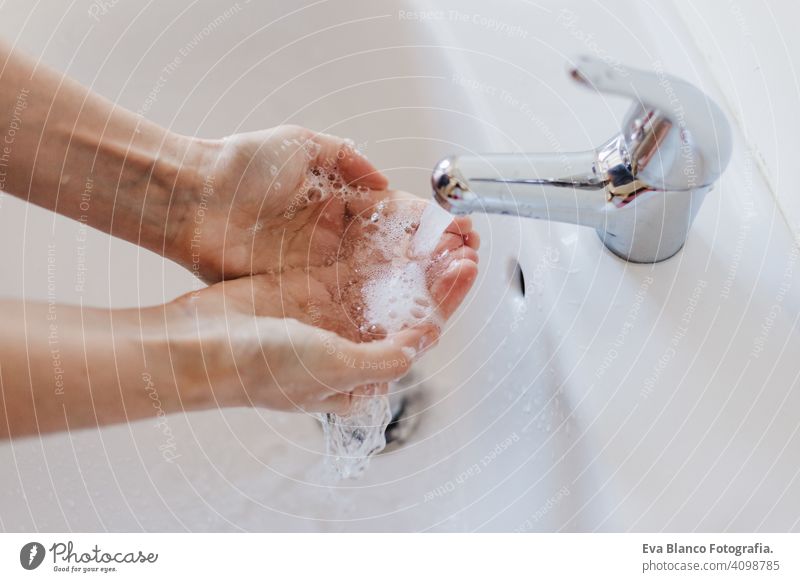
(640, 189)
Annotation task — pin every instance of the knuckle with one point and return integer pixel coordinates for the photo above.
(296, 129)
(391, 361)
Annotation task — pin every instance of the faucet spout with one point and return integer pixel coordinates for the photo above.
(558, 187)
(640, 189)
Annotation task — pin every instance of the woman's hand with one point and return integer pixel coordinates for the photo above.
(302, 336)
(244, 197)
(224, 209)
(227, 353)
(291, 339)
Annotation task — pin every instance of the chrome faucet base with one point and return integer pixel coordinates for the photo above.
(640, 239)
(663, 255)
(640, 190)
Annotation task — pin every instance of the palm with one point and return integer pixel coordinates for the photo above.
(332, 251)
(314, 257)
(254, 207)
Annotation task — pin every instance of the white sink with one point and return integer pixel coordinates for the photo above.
(608, 396)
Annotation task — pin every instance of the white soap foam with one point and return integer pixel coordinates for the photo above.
(321, 184)
(396, 294)
(397, 297)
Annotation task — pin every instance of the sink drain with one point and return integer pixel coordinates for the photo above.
(407, 405)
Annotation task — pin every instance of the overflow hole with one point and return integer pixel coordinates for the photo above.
(517, 277)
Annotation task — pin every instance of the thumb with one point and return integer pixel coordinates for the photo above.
(355, 167)
(379, 361)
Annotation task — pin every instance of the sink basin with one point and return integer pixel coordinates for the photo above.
(571, 392)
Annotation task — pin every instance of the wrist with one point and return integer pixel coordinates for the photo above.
(161, 346)
(189, 192)
(191, 350)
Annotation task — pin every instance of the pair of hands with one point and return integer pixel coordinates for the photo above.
(270, 257)
(272, 328)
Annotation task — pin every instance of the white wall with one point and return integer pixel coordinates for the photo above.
(753, 50)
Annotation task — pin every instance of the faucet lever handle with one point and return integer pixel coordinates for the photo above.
(692, 157)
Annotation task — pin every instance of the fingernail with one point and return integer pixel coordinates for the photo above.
(427, 340)
(452, 268)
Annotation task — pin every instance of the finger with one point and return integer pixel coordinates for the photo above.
(328, 363)
(418, 339)
(468, 234)
(396, 203)
(343, 402)
(354, 166)
(461, 225)
(458, 233)
(451, 247)
(450, 288)
(380, 361)
(340, 403)
(448, 242)
(443, 261)
(473, 240)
